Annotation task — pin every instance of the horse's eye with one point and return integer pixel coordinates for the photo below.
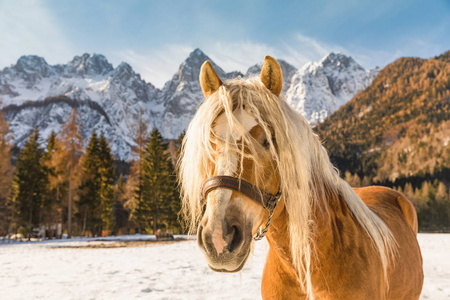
(266, 143)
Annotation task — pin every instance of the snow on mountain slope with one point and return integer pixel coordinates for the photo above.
(108, 99)
(181, 96)
(51, 113)
(319, 89)
(89, 78)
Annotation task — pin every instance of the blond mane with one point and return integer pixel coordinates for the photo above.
(307, 175)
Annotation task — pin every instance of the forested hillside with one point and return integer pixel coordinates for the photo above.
(397, 131)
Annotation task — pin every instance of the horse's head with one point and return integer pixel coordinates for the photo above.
(242, 147)
(245, 141)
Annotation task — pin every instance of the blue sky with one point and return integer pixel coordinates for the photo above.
(156, 36)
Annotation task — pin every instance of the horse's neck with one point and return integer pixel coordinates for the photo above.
(278, 234)
(280, 279)
(325, 217)
(325, 226)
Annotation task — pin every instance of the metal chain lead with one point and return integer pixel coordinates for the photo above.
(262, 231)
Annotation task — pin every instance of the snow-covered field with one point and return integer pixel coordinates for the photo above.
(105, 269)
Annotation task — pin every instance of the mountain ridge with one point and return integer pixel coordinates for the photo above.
(121, 93)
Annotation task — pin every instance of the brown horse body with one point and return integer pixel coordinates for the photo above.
(345, 264)
(327, 240)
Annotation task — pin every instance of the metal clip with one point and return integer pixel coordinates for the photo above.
(262, 231)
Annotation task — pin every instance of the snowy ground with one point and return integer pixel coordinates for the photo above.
(74, 269)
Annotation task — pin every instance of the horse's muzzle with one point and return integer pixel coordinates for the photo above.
(226, 247)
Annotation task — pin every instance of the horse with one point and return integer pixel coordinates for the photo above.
(251, 166)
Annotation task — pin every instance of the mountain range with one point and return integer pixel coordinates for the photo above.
(36, 94)
(397, 127)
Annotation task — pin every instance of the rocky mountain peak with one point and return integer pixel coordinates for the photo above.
(124, 70)
(338, 60)
(190, 69)
(318, 89)
(91, 64)
(197, 53)
(30, 62)
(33, 64)
(195, 58)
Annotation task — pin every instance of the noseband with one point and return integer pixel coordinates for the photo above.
(267, 200)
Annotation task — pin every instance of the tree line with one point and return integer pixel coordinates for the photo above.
(430, 197)
(65, 187)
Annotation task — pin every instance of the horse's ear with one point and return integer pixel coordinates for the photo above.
(209, 81)
(271, 75)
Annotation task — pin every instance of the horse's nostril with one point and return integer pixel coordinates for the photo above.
(236, 238)
(200, 236)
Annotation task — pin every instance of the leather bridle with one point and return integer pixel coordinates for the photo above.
(267, 200)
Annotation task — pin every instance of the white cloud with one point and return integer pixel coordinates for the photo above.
(369, 58)
(299, 50)
(27, 27)
(158, 66)
(302, 49)
(237, 56)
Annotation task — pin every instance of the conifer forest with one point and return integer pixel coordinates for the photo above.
(56, 187)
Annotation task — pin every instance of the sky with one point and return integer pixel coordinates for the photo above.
(154, 37)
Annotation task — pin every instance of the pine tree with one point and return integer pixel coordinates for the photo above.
(178, 146)
(366, 181)
(62, 159)
(97, 187)
(89, 203)
(119, 212)
(441, 193)
(107, 180)
(159, 185)
(6, 176)
(442, 203)
(155, 175)
(409, 191)
(51, 145)
(52, 202)
(424, 193)
(135, 183)
(72, 150)
(173, 197)
(30, 184)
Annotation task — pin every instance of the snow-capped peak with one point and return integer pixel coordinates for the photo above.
(31, 68)
(339, 60)
(190, 69)
(318, 89)
(91, 64)
(124, 71)
(31, 63)
(197, 52)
